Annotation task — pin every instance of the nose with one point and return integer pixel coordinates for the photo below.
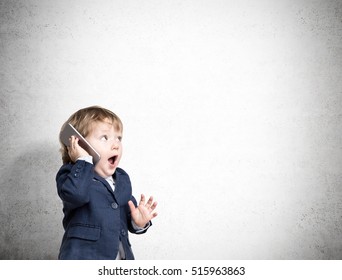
(115, 144)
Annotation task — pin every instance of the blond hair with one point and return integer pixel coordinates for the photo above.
(83, 119)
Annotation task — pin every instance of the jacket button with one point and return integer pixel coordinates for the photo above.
(123, 232)
(114, 205)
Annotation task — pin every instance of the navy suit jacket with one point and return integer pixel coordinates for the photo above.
(95, 219)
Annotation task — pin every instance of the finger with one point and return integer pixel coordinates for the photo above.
(154, 205)
(149, 202)
(70, 141)
(73, 141)
(131, 205)
(76, 141)
(142, 200)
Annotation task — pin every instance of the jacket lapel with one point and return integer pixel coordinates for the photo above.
(105, 183)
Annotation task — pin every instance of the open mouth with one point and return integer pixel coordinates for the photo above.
(111, 160)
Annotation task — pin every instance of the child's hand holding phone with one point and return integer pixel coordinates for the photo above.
(77, 145)
(75, 150)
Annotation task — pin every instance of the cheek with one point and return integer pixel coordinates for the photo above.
(103, 155)
(99, 150)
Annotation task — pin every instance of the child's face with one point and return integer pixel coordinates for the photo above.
(106, 140)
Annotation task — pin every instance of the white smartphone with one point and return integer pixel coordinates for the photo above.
(68, 131)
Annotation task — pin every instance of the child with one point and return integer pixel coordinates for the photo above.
(98, 205)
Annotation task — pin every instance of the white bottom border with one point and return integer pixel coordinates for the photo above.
(171, 269)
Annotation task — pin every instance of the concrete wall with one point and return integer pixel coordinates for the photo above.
(232, 114)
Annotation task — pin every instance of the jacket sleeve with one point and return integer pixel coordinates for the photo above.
(73, 181)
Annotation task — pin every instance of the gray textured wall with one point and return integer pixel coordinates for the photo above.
(232, 114)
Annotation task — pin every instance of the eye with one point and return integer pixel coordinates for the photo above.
(104, 138)
(119, 138)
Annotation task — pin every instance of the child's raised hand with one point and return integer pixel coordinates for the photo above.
(75, 150)
(144, 213)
